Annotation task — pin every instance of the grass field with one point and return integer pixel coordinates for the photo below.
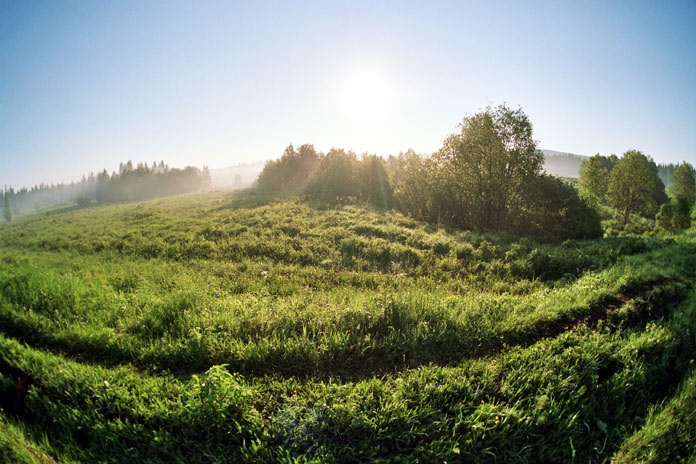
(225, 327)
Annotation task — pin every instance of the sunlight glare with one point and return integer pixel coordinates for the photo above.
(366, 94)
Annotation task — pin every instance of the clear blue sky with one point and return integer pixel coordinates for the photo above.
(87, 84)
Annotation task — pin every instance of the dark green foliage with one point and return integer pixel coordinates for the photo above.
(670, 432)
(634, 186)
(677, 214)
(410, 177)
(674, 215)
(553, 210)
(594, 178)
(684, 186)
(488, 178)
(484, 169)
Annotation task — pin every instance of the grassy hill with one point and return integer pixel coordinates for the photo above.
(226, 327)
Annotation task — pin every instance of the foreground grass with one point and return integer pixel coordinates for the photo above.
(216, 328)
(669, 434)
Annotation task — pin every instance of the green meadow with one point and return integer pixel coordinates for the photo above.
(239, 327)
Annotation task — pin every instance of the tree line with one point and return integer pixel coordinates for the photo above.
(145, 183)
(130, 183)
(632, 186)
(487, 177)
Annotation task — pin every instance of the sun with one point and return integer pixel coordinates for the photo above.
(366, 94)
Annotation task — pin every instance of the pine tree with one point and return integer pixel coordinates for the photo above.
(6, 209)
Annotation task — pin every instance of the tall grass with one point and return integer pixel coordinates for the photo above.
(219, 328)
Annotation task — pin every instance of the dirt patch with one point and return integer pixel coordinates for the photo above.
(633, 307)
(15, 388)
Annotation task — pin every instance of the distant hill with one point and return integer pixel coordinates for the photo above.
(562, 164)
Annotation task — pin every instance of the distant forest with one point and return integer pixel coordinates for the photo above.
(568, 165)
(130, 183)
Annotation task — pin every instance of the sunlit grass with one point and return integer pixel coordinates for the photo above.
(345, 334)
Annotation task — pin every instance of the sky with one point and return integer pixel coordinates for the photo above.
(85, 85)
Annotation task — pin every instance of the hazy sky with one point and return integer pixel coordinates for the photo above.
(87, 84)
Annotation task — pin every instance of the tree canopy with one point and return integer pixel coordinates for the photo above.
(486, 166)
(334, 180)
(594, 177)
(684, 186)
(634, 185)
(291, 172)
(677, 213)
(487, 177)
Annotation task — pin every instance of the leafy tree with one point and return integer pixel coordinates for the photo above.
(487, 165)
(103, 186)
(553, 210)
(676, 213)
(659, 194)
(449, 195)
(684, 186)
(334, 180)
(594, 177)
(291, 172)
(633, 185)
(373, 182)
(409, 177)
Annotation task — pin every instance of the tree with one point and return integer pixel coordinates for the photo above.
(334, 179)
(291, 172)
(373, 182)
(594, 177)
(103, 187)
(206, 178)
(676, 213)
(238, 183)
(410, 175)
(632, 185)
(684, 186)
(553, 210)
(488, 164)
(6, 208)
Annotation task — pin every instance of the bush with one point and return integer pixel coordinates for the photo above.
(83, 201)
(674, 215)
